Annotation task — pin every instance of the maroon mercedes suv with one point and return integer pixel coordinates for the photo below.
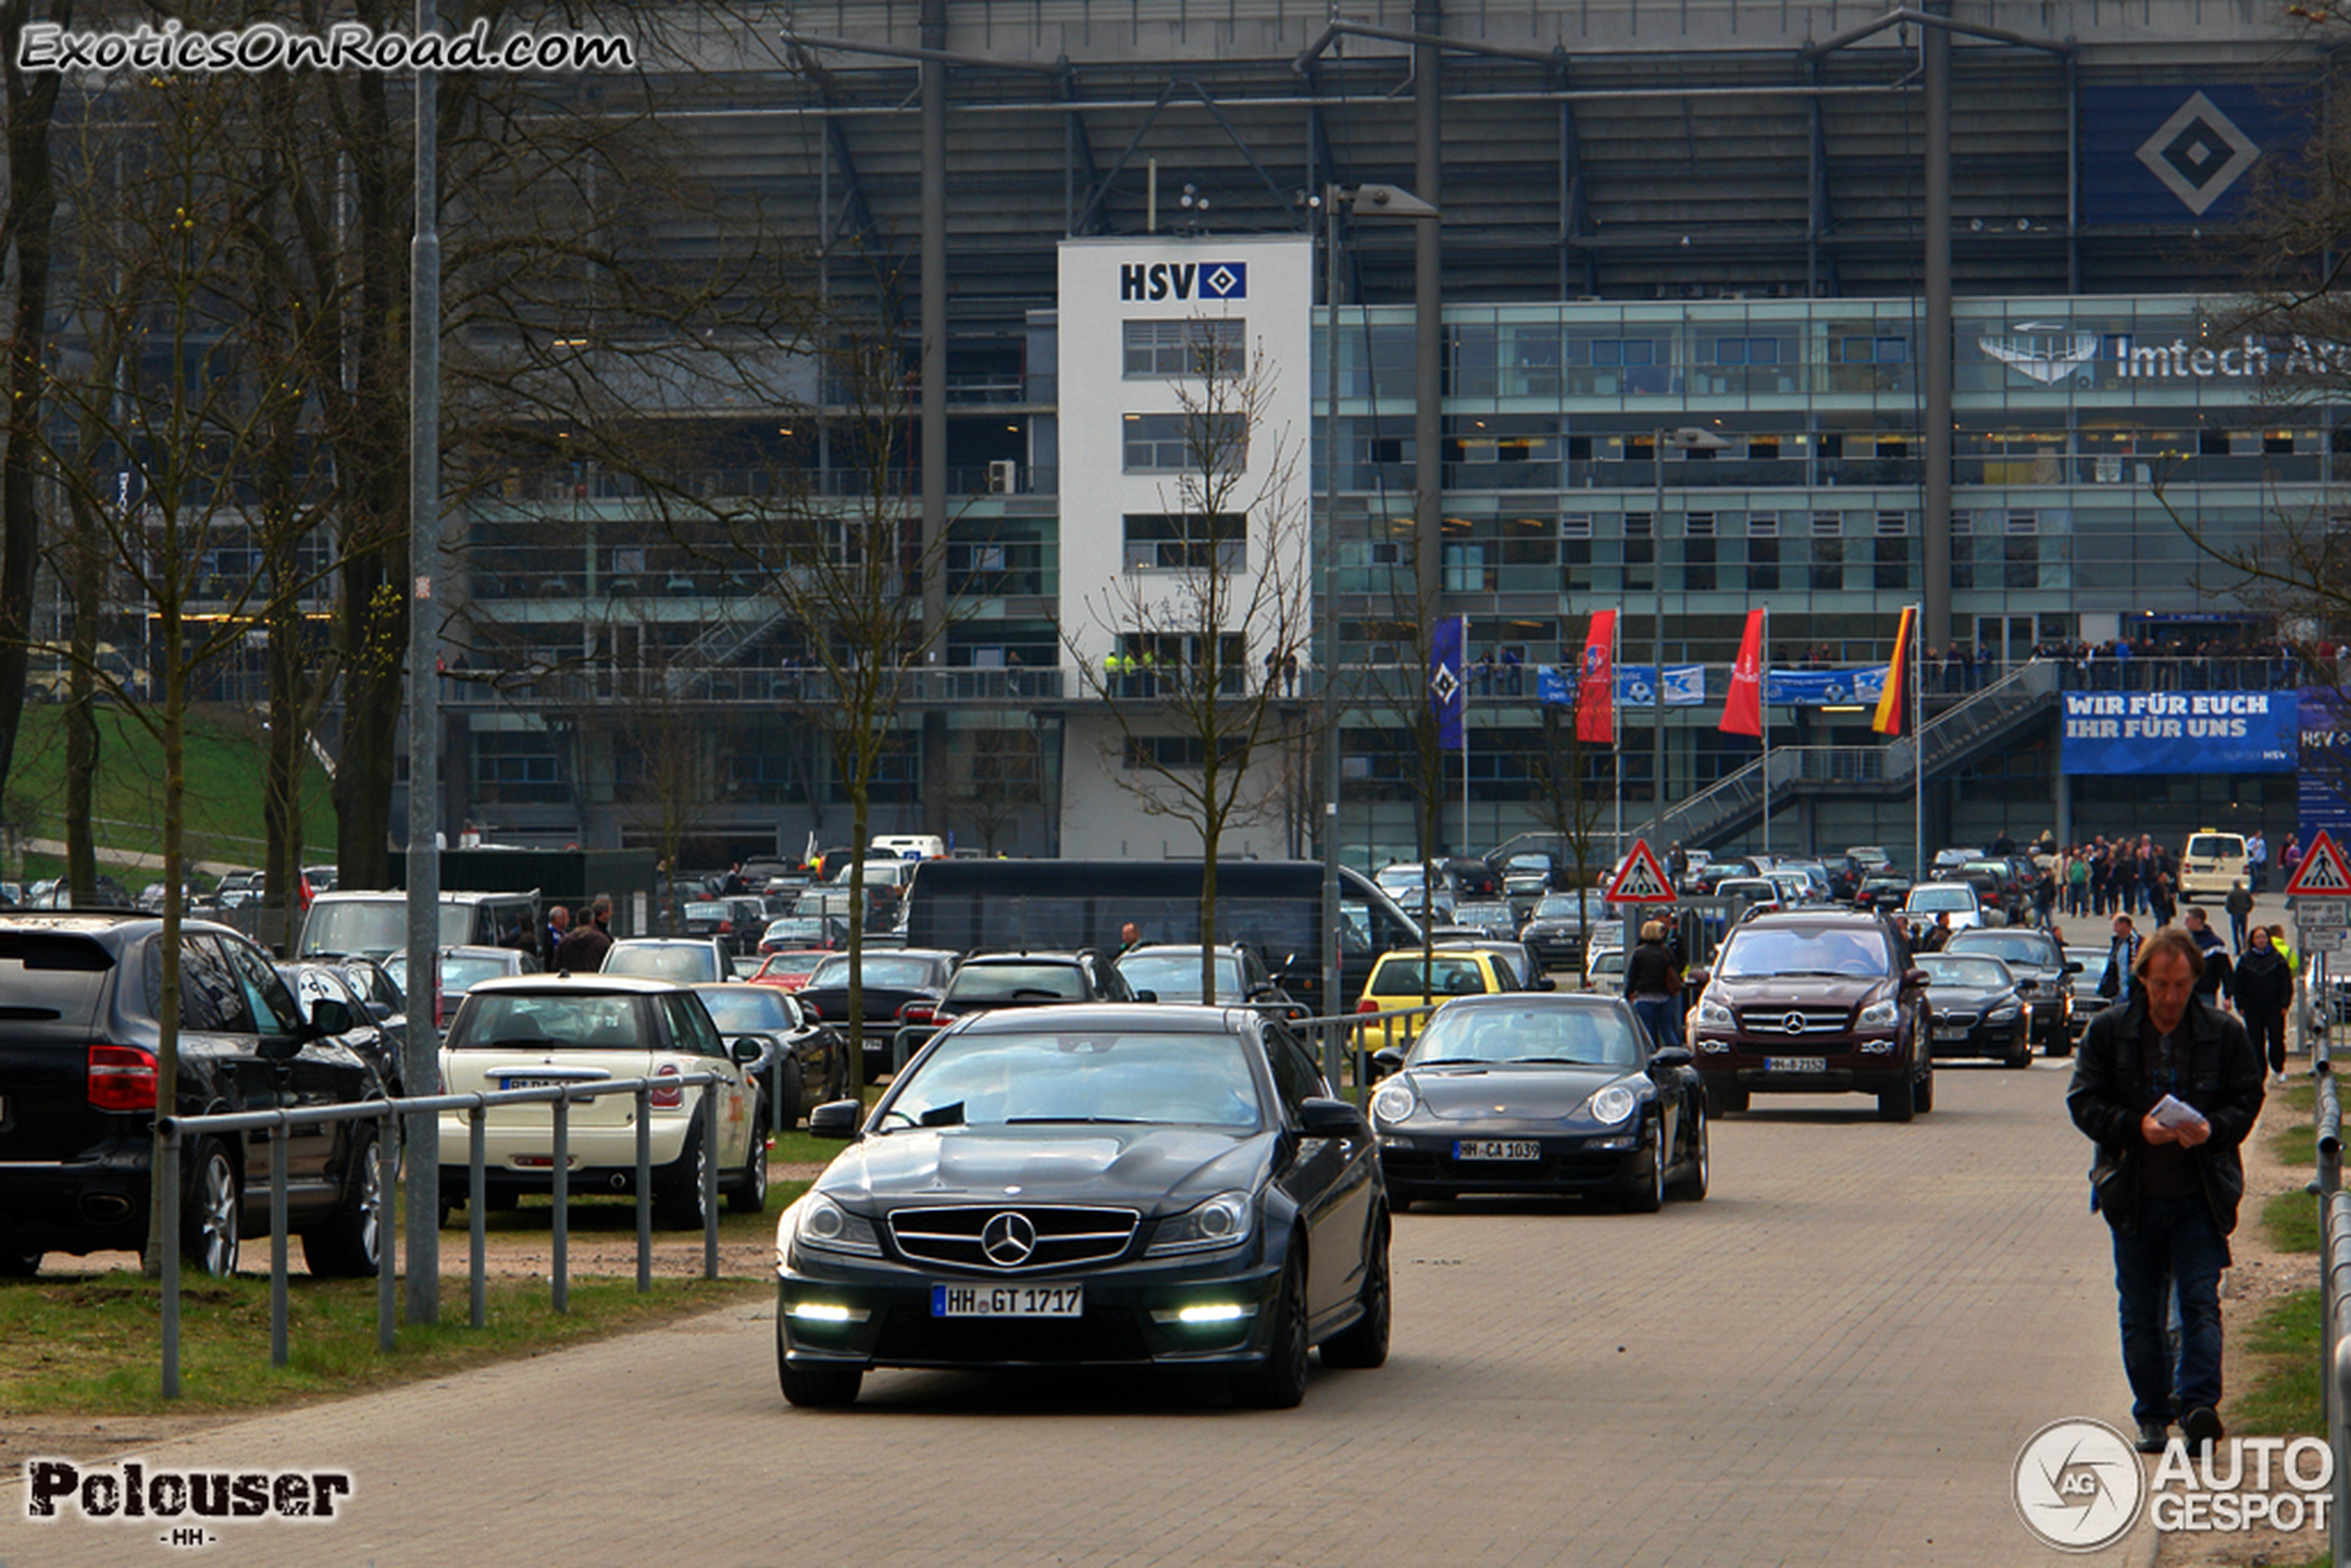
(1815, 1001)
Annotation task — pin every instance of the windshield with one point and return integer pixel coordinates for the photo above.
(459, 971)
(1935, 899)
(1754, 954)
(529, 1022)
(1981, 974)
(372, 926)
(754, 1007)
(1587, 1036)
(1002, 1080)
(1444, 976)
(2016, 947)
(888, 974)
(685, 962)
(1006, 982)
(1563, 907)
(1176, 976)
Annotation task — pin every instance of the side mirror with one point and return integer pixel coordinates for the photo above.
(1670, 1056)
(747, 1051)
(1332, 1118)
(1147, 996)
(1694, 979)
(1386, 1059)
(1544, 983)
(1913, 978)
(330, 1015)
(2072, 967)
(835, 1118)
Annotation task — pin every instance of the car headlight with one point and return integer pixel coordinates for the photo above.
(1226, 1220)
(1880, 1015)
(1713, 1013)
(825, 1226)
(1613, 1104)
(2003, 1015)
(1395, 1101)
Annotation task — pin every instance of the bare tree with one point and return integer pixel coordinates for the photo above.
(1214, 603)
(998, 777)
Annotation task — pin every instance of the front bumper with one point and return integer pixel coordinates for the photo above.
(2003, 1040)
(878, 1313)
(1872, 1064)
(1424, 1163)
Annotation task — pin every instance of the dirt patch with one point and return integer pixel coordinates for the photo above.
(2259, 1274)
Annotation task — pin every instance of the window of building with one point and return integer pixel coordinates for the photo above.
(1196, 346)
(2021, 551)
(1186, 540)
(1175, 443)
(1747, 351)
(1891, 551)
(1828, 550)
(1641, 550)
(1623, 350)
(1872, 351)
(1576, 552)
(1697, 552)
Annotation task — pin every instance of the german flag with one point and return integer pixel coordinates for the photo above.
(1893, 700)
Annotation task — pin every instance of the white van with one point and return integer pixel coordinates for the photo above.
(2212, 863)
(907, 846)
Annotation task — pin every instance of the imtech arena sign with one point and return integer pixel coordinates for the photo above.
(2053, 353)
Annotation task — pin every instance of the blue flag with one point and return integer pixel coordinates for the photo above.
(1447, 682)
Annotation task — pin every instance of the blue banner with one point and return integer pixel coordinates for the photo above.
(2325, 766)
(1684, 685)
(2171, 153)
(1823, 688)
(1447, 694)
(2181, 732)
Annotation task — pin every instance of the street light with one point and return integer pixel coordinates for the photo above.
(1369, 201)
(1687, 439)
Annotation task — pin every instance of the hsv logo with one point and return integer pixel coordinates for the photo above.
(1182, 281)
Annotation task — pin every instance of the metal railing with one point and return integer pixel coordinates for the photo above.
(173, 1132)
(2334, 1254)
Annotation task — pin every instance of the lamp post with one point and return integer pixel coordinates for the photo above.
(1687, 439)
(1370, 201)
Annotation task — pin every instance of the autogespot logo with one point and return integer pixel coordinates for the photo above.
(2078, 1486)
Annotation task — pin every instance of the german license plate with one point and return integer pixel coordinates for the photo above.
(520, 1081)
(1497, 1148)
(1795, 1063)
(1952, 1031)
(1007, 1300)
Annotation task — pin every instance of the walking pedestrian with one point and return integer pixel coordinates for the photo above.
(2265, 990)
(2168, 1088)
(2257, 859)
(2121, 958)
(583, 950)
(2239, 904)
(1653, 982)
(2213, 983)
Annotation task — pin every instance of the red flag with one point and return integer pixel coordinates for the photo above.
(1595, 685)
(1895, 699)
(1743, 709)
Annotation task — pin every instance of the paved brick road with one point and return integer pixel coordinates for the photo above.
(1834, 1360)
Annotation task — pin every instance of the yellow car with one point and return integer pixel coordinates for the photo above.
(1401, 980)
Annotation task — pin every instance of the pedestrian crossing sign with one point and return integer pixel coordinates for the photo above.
(2322, 871)
(1640, 879)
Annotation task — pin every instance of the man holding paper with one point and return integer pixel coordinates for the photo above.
(2167, 1086)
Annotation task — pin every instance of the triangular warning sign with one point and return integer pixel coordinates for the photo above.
(2322, 871)
(1640, 879)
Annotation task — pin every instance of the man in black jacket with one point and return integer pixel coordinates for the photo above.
(2265, 990)
(2167, 1087)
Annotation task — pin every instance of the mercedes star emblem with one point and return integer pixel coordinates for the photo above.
(1008, 1240)
(1795, 1024)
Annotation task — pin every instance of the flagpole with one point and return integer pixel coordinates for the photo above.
(1763, 712)
(1917, 752)
(1616, 736)
(1465, 745)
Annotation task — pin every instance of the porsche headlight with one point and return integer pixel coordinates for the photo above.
(825, 1226)
(1613, 1104)
(1225, 1220)
(1879, 1014)
(1713, 1014)
(1395, 1101)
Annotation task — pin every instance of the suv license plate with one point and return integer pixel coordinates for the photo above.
(1007, 1300)
(1495, 1149)
(1796, 1064)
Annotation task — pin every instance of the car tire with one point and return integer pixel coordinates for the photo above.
(814, 1388)
(1280, 1382)
(788, 1096)
(1362, 1344)
(1896, 1104)
(677, 1186)
(1401, 1203)
(349, 1245)
(2022, 1055)
(211, 1217)
(1646, 1196)
(1700, 1174)
(751, 1196)
(1923, 1091)
(1727, 1101)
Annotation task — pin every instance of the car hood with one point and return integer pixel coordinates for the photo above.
(1795, 991)
(1158, 1169)
(1968, 999)
(1470, 1094)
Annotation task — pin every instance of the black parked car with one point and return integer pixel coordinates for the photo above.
(1541, 1095)
(804, 1062)
(1979, 1011)
(2044, 974)
(895, 979)
(987, 981)
(78, 1081)
(364, 1033)
(1091, 1185)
